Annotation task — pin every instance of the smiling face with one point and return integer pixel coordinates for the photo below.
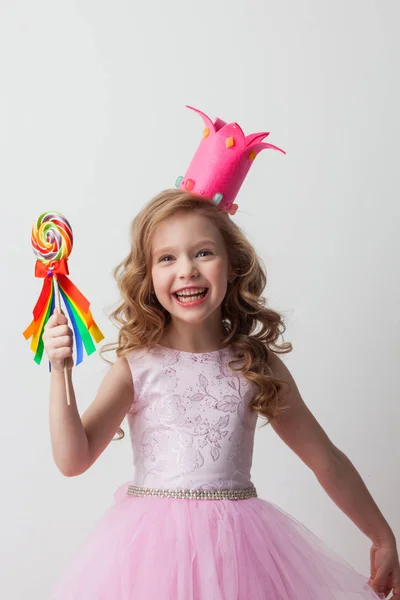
(189, 251)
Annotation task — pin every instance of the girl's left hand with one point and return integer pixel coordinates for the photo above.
(385, 569)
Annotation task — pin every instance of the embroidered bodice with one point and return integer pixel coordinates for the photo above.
(190, 423)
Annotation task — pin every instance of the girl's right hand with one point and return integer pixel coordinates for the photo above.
(58, 340)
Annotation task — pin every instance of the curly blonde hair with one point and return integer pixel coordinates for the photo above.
(142, 319)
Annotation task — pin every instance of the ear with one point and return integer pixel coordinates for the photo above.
(231, 275)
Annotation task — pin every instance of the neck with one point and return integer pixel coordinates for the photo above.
(194, 339)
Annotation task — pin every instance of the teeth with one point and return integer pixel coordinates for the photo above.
(191, 298)
(194, 292)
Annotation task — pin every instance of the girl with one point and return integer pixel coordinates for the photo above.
(197, 363)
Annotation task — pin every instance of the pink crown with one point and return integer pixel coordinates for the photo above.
(221, 162)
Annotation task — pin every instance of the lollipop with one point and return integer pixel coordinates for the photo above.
(52, 242)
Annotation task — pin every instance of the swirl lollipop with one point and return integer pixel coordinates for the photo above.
(51, 238)
(52, 242)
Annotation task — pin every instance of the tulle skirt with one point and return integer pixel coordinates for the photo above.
(156, 548)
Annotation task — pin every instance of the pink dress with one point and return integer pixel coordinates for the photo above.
(191, 429)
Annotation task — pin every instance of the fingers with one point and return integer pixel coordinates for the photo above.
(378, 580)
(59, 354)
(57, 318)
(381, 587)
(55, 331)
(61, 358)
(62, 341)
(396, 584)
(381, 591)
(58, 341)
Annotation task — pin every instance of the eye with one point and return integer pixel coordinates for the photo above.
(169, 255)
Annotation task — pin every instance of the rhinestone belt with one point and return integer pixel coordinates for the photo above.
(251, 492)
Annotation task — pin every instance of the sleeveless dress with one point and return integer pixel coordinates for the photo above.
(188, 526)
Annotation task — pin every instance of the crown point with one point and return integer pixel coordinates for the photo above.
(233, 209)
(217, 198)
(252, 155)
(178, 181)
(229, 142)
(206, 132)
(189, 185)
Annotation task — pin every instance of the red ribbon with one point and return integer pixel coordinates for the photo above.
(57, 266)
(60, 269)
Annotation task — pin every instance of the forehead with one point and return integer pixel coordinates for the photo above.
(183, 230)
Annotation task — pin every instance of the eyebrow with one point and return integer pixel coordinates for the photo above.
(170, 248)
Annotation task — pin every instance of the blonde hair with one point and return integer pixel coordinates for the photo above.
(142, 319)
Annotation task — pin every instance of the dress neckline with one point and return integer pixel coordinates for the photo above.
(220, 350)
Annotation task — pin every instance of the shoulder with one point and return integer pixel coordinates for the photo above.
(120, 372)
(130, 365)
(278, 367)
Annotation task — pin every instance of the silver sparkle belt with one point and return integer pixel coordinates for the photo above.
(243, 494)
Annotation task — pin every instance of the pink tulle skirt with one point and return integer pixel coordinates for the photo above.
(176, 549)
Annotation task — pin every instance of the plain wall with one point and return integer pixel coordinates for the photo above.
(93, 124)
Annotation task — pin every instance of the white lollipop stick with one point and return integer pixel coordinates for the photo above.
(58, 305)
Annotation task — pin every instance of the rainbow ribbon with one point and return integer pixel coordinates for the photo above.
(86, 332)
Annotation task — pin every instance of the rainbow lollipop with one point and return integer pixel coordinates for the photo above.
(52, 241)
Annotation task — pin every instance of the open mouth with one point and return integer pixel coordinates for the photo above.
(192, 298)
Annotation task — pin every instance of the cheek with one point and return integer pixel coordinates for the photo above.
(161, 281)
(218, 272)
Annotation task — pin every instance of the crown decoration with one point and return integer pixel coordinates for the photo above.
(221, 162)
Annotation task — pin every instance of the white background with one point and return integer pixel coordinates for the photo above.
(93, 124)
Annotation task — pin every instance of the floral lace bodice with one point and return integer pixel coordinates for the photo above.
(190, 423)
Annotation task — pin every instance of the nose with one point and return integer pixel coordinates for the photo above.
(187, 268)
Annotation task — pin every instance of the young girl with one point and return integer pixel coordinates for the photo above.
(197, 363)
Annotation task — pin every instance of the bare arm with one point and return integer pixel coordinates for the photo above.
(78, 442)
(299, 429)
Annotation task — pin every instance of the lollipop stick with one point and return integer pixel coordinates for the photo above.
(58, 305)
